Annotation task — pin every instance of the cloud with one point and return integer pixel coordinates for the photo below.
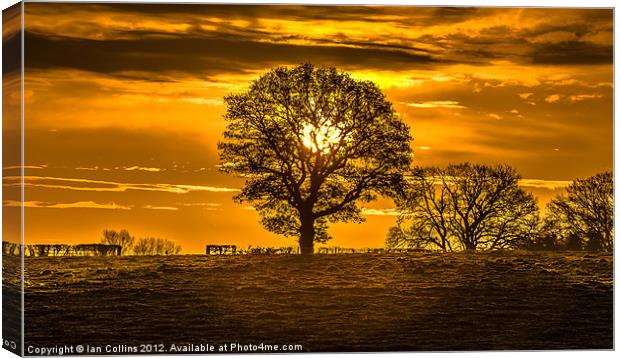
(75, 205)
(380, 212)
(582, 97)
(495, 116)
(146, 169)
(552, 98)
(187, 17)
(214, 39)
(554, 37)
(530, 183)
(204, 55)
(170, 208)
(572, 53)
(11, 40)
(108, 186)
(436, 104)
(88, 168)
(25, 167)
(205, 101)
(202, 204)
(205, 206)
(544, 184)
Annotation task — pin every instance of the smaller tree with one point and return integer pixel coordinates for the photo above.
(121, 238)
(584, 217)
(424, 206)
(156, 246)
(464, 206)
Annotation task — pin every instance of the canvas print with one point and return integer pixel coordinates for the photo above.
(229, 178)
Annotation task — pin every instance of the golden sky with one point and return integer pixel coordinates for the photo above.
(124, 104)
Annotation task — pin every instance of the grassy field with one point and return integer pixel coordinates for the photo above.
(350, 302)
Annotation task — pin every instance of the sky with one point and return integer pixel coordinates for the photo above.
(124, 105)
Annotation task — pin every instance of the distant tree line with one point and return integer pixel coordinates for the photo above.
(143, 246)
(479, 207)
(41, 250)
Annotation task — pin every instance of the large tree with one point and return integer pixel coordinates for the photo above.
(464, 206)
(311, 143)
(584, 217)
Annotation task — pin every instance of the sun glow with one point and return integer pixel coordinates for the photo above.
(321, 139)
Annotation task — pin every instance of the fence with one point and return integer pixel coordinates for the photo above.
(234, 250)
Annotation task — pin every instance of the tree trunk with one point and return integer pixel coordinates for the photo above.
(470, 246)
(306, 237)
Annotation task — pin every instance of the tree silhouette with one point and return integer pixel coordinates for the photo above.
(464, 206)
(310, 143)
(545, 236)
(121, 238)
(584, 216)
(425, 213)
(156, 246)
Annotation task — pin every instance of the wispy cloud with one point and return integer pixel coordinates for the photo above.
(544, 184)
(170, 208)
(132, 168)
(202, 204)
(87, 168)
(43, 166)
(436, 104)
(109, 186)
(146, 169)
(78, 204)
(380, 212)
(205, 101)
(582, 97)
(205, 206)
(530, 183)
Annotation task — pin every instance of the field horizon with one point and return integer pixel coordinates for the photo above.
(362, 302)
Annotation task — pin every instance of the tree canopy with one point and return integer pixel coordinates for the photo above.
(584, 216)
(463, 206)
(311, 143)
(121, 238)
(156, 246)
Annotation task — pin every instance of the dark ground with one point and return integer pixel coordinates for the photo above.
(11, 303)
(350, 302)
